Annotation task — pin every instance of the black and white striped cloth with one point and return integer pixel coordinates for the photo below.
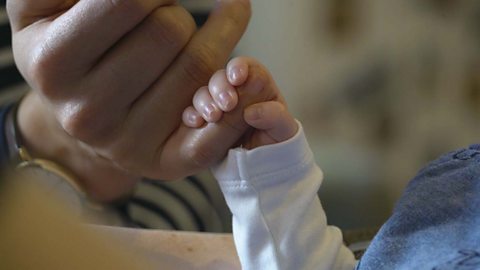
(12, 85)
(191, 204)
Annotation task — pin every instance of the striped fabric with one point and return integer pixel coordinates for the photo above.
(12, 84)
(192, 204)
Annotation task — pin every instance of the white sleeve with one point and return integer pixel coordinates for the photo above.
(278, 221)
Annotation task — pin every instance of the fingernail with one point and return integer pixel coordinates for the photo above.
(192, 118)
(254, 113)
(236, 73)
(208, 110)
(226, 99)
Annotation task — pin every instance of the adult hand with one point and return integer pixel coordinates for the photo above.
(117, 74)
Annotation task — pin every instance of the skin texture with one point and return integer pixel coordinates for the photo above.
(271, 119)
(111, 79)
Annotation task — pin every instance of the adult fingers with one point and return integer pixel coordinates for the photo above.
(207, 51)
(84, 104)
(78, 37)
(134, 64)
(23, 13)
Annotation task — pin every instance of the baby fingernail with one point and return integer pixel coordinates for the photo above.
(236, 74)
(225, 99)
(192, 118)
(209, 110)
(254, 113)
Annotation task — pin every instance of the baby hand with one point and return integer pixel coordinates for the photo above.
(271, 120)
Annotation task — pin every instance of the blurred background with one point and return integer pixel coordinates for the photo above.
(381, 87)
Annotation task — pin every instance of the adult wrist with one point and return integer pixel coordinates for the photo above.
(44, 138)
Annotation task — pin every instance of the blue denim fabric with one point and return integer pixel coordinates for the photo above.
(436, 223)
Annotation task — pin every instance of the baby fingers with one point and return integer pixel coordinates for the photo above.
(222, 91)
(237, 70)
(206, 106)
(191, 118)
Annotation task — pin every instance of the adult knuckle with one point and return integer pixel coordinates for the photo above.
(136, 8)
(42, 71)
(130, 6)
(88, 122)
(171, 26)
(199, 63)
(77, 120)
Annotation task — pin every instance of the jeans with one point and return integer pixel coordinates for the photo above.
(436, 223)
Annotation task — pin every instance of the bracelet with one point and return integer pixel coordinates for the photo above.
(20, 157)
(11, 135)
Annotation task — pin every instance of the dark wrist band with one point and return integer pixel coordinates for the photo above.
(12, 135)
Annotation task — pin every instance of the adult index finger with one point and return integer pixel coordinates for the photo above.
(207, 51)
(78, 36)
